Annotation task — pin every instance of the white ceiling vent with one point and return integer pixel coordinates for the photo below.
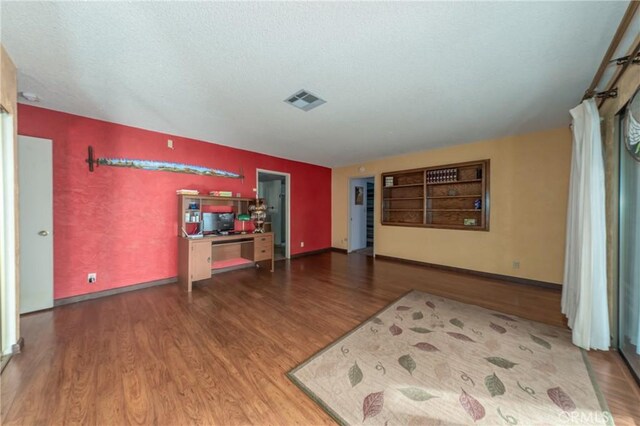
(304, 100)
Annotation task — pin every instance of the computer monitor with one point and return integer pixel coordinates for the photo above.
(217, 222)
(226, 221)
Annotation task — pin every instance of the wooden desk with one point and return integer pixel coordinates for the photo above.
(197, 256)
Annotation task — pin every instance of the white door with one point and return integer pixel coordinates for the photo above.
(35, 174)
(358, 214)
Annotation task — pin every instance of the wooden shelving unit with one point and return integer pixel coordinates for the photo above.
(193, 206)
(452, 196)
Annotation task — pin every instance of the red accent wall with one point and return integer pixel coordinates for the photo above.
(122, 223)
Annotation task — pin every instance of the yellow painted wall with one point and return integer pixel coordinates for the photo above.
(529, 185)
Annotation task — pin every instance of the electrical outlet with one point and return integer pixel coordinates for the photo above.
(516, 264)
(301, 243)
(169, 143)
(92, 277)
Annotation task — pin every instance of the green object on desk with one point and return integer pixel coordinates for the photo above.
(244, 217)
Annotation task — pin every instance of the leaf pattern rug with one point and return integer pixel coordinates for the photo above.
(426, 360)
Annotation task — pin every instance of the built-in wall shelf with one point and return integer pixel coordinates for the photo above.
(452, 196)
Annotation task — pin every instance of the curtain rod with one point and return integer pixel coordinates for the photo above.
(621, 71)
(622, 29)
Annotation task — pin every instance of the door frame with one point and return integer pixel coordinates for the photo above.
(287, 182)
(349, 222)
(9, 245)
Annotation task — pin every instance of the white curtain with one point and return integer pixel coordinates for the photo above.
(584, 294)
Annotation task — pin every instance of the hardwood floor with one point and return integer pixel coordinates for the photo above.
(219, 356)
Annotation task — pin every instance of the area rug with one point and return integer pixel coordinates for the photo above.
(426, 360)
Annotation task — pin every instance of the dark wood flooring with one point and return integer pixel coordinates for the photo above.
(219, 355)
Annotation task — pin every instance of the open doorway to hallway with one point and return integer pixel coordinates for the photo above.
(361, 213)
(274, 188)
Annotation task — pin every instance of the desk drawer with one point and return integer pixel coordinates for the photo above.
(262, 252)
(264, 240)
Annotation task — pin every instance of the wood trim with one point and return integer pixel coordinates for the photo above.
(311, 253)
(622, 29)
(9, 102)
(507, 278)
(486, 201)
(112, 292)
(339, 250)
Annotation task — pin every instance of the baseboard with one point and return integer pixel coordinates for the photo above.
(17, 347)
(4, 360)
(339, 250)
(113, 291)
(310, 253)
(516, 280)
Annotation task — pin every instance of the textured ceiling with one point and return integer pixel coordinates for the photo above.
(397, 77)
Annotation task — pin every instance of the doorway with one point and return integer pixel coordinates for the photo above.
(361, 214)
(35, 178)
(274, 188)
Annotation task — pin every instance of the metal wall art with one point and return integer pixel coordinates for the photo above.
(163, 166)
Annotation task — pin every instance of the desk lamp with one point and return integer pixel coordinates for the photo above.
(244, 218)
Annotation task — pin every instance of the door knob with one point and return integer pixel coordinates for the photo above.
(43, 233)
